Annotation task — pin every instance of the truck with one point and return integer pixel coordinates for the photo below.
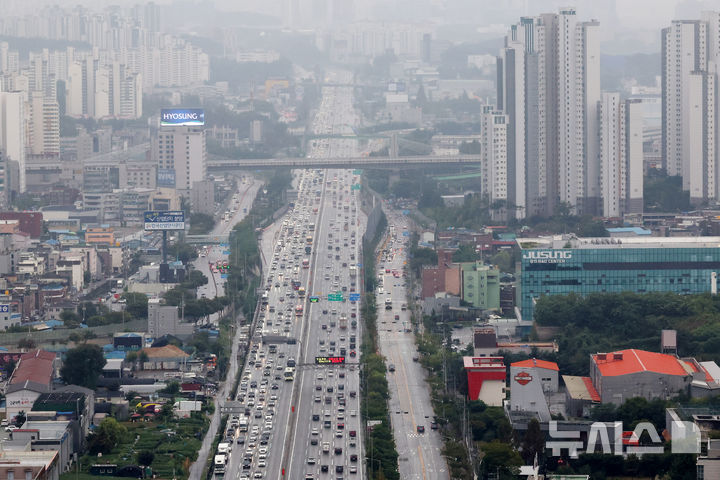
(353, 271)
(326, 447)
(219, 464)
(388, 303)
(343, 321)
(243, 424)
(224, 448)
(308, 249)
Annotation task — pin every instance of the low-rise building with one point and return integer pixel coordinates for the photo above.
(30, 465)
(32, 377)
(486, 379)
(618, 376)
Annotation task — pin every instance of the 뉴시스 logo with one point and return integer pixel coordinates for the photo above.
(523, 378)
(612, 439)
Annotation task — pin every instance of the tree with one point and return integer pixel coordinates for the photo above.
(83, 365)
(533, 442)
(20, 418)
(26, 343)
(501, 457)
(69, 318)
(106, 436)
(136, 304)
(145, 458)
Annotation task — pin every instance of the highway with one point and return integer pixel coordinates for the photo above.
(281, 388)
(420, 452)
(328, 401)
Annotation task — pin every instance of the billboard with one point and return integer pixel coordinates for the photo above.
(182, 117)
(329, 360)
(155, 220)
(166, 177)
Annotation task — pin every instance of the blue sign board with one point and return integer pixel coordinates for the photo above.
(406, 234)
(4, 308)
(223, 275)
(182, 117)
(226, 252)
(224, 245)
(406, 212)
(359, 264)
(354, 297)
(163, 220)
(166, 177)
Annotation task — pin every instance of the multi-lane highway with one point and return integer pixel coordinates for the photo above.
(297, 419)
(418, 444)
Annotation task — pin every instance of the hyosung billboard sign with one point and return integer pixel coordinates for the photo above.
(182, 117)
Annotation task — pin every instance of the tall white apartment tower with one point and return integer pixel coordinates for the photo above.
(621, 155)
(182, 149)
(690, 56)
(494, 159)
(549, 86)
(12, 131)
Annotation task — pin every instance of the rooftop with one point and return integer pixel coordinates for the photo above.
(483, 362)
(633, 361)
(168, 351)
(555, 242)
(35, 366)
(535, 363)
(580, 388)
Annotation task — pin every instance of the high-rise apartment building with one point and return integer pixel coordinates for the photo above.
(44, 132)
(690, 56)
(12, 131)
(493, 151)
(182, 149)
(549, 86)
(621, 155)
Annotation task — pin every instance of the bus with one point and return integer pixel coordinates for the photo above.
(298, 310)
(289, 374)
(306, 263)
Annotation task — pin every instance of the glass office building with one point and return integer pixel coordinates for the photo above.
(559, 266)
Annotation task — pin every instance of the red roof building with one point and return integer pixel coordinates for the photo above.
(32, 377)
(486, 379)
(618, 376)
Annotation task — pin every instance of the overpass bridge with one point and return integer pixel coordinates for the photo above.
(219, 164)
(209, 239)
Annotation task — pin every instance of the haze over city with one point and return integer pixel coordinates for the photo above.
(347, 239)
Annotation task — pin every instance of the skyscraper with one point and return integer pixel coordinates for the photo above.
(493, 150)
(690, 56)
(549, 86)
(621, 155)
(12, 131)
(182, 149)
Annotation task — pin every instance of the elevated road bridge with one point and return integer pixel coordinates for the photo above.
(224, 164)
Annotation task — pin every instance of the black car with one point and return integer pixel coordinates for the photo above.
(338, 450)
(353, 458)
(338, 469)
(315, 417)
(324, 468)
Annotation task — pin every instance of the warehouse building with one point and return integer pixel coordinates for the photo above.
(618, 376)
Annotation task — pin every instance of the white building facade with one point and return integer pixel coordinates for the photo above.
(690, 54)
(549, 85)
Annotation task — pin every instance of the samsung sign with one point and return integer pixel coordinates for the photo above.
(547, 256)
(177, 117)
